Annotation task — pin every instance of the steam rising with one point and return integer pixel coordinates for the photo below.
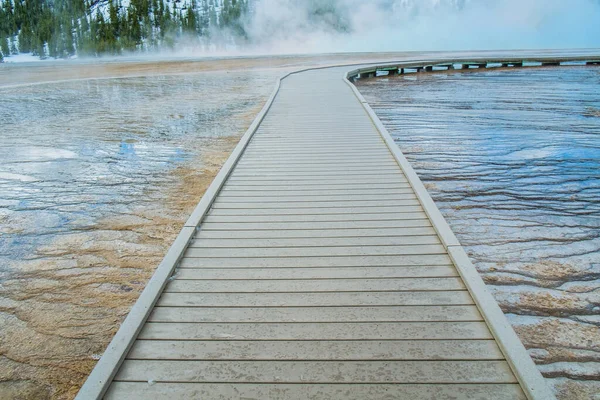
(292, 26)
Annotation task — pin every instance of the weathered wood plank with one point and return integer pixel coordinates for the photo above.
(205, 242)
(359, 157)
(316, 314)
(316, 331)
(225, 198)
(260, 145)
(310, 170)
(299, 203)
(317, 371)
(328, 261)
(325, 222)
(317, 218)
(325, 299)
(406, 350)
(333, 193)
(317, 163)
(235, 252)
(308, 182)
(322, 180)
(316, 211)
(315, 187)
(278, 391)
(316, 273)
(345, 154)
(311, 285)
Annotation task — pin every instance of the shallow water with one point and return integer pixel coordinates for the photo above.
(512, 159)
(96, 179)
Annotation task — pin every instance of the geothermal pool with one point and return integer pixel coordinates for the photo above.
(512, 159)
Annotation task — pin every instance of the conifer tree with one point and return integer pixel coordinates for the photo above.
(5, 46)
(62, 28)
(189, 22)
(13, 47)
(115, 23)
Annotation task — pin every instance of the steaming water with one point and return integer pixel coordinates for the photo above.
(96, 179)
(512, 159)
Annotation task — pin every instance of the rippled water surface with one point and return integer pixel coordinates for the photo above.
(96, 179)
(512, 158)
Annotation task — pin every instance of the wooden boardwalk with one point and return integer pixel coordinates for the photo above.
(316, 267)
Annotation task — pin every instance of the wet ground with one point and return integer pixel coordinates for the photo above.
(512, 159)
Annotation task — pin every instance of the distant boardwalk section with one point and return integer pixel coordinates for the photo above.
(317, 267)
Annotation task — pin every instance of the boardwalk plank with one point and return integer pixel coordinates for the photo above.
(300, 203)
(234, 252)
(343, 197)
(314, 187)
(228, 193)
(317, 371)
(313, 233)
(316, 273)
(316, 314)
(406, 350)
(314, 223)
(328, 261)
(310, 285)
(204, 242)
(316, 331)
(278, 391)
(325, 299)
(317, 211)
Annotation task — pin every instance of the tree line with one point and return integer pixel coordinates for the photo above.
(64, 28)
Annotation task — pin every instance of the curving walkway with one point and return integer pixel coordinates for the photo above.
(316, 266)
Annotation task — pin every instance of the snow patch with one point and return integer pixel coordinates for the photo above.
(25, 58)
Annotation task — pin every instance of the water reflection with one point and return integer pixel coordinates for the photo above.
(512, 159)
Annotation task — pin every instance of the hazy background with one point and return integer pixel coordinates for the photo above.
(387, 25)
(68, 28)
